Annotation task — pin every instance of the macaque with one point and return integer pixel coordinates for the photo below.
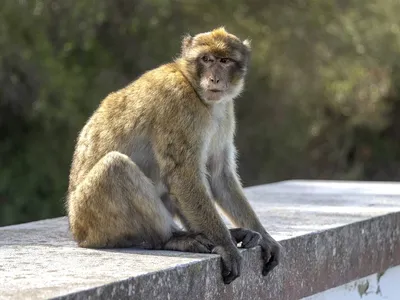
(163, 148)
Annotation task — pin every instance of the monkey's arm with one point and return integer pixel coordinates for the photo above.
(228, 193)
(181, 167)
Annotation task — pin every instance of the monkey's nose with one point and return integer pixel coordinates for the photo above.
(214, 80)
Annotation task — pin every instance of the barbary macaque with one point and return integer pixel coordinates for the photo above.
(163, 147)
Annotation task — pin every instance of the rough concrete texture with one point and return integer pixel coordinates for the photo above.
(332, 232)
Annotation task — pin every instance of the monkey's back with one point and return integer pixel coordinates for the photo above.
(126, 119)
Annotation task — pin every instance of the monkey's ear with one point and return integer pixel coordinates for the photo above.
(186, 43)
(247, 44)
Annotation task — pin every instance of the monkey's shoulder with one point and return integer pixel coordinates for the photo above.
(165, 83)
(165, 80)
(164, 89)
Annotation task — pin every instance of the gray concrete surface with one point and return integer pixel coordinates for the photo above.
(333, 233)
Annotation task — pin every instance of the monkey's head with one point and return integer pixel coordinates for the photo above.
(217, 63)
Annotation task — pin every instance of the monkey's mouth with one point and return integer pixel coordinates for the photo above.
(214, 94)
(215, 91)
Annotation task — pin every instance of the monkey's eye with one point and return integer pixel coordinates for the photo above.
(224, 60)
(205, 58)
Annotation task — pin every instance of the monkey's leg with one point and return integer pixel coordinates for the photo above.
(184, 240)
(171, 204)
(118, 206)
(229, 195)
(246, 237)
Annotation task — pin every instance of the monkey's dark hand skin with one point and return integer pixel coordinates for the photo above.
(271, 252)
(231, 263)
(270, 249)
(247, 237)
(189, 242)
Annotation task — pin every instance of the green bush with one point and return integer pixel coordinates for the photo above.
(320, 102)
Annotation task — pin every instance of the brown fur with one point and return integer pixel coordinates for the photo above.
(156, 149)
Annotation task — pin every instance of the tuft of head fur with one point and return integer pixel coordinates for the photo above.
(247, 43)
(217, 41)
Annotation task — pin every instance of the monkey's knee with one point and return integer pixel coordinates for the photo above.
(116, 162)
(118, 206)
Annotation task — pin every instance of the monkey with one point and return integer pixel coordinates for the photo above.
(161, 149)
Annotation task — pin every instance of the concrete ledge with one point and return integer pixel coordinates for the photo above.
(333, 233)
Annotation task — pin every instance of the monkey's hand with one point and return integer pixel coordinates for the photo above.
(271, 253)
(231, 262)
(248, 238)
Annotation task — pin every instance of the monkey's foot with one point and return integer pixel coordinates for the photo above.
(248, 238)
(189, 242)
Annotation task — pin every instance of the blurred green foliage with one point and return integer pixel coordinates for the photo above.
(321, 100)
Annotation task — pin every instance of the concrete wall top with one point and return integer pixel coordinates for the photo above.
(332, 232)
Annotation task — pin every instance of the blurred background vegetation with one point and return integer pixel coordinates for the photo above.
(322, 99)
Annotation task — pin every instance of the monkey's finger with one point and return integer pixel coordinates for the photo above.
(237, 234)
(228, 264)
(228, 277)
(200, 248)
(273, 261)
(246, 240)
(269, 266)
(251, 240)
(234, 240)
(226, 273)
(271, 253)
(235, 272)
(266, 254)
(205, 242)
(231, 277)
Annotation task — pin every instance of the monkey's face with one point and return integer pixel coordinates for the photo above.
(218, 63)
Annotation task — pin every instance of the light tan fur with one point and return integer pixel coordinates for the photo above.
(157, 148)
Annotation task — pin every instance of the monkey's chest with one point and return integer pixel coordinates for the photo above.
(215, 150)
(219, 133)
(216, 142)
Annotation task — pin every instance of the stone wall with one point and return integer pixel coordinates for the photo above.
(332, 232)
